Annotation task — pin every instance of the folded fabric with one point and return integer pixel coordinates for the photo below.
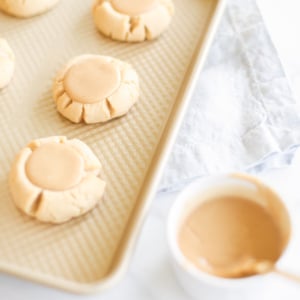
(242, 108)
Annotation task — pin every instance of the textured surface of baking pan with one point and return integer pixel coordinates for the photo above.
(91, 253)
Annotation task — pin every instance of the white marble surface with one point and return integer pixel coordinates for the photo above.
(150, 275)
(283, 22)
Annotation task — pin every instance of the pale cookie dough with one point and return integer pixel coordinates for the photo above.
(7, 63)
(55, 179)
(94, 89)
(133, 20)
(26, 8)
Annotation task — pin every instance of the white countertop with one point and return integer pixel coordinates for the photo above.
(150, 275)
(283, 22)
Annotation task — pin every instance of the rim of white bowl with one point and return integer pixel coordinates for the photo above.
(172, 233)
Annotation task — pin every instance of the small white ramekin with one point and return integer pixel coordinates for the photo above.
(199, 284)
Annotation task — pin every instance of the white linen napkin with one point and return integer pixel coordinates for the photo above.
(242, 108)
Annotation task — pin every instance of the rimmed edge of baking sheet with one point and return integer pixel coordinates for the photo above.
(152, 178)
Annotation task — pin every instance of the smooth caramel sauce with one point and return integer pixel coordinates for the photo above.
(133, 7)
(91, 80)
(226, 235)
(55, 166)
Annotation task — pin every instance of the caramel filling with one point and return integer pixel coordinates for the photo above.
(133, 7)
(55, 167)
(91, 80)
(224, 235)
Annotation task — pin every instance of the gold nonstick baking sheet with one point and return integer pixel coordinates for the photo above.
(90, 253)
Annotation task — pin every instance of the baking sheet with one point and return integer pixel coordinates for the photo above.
(91, 253)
